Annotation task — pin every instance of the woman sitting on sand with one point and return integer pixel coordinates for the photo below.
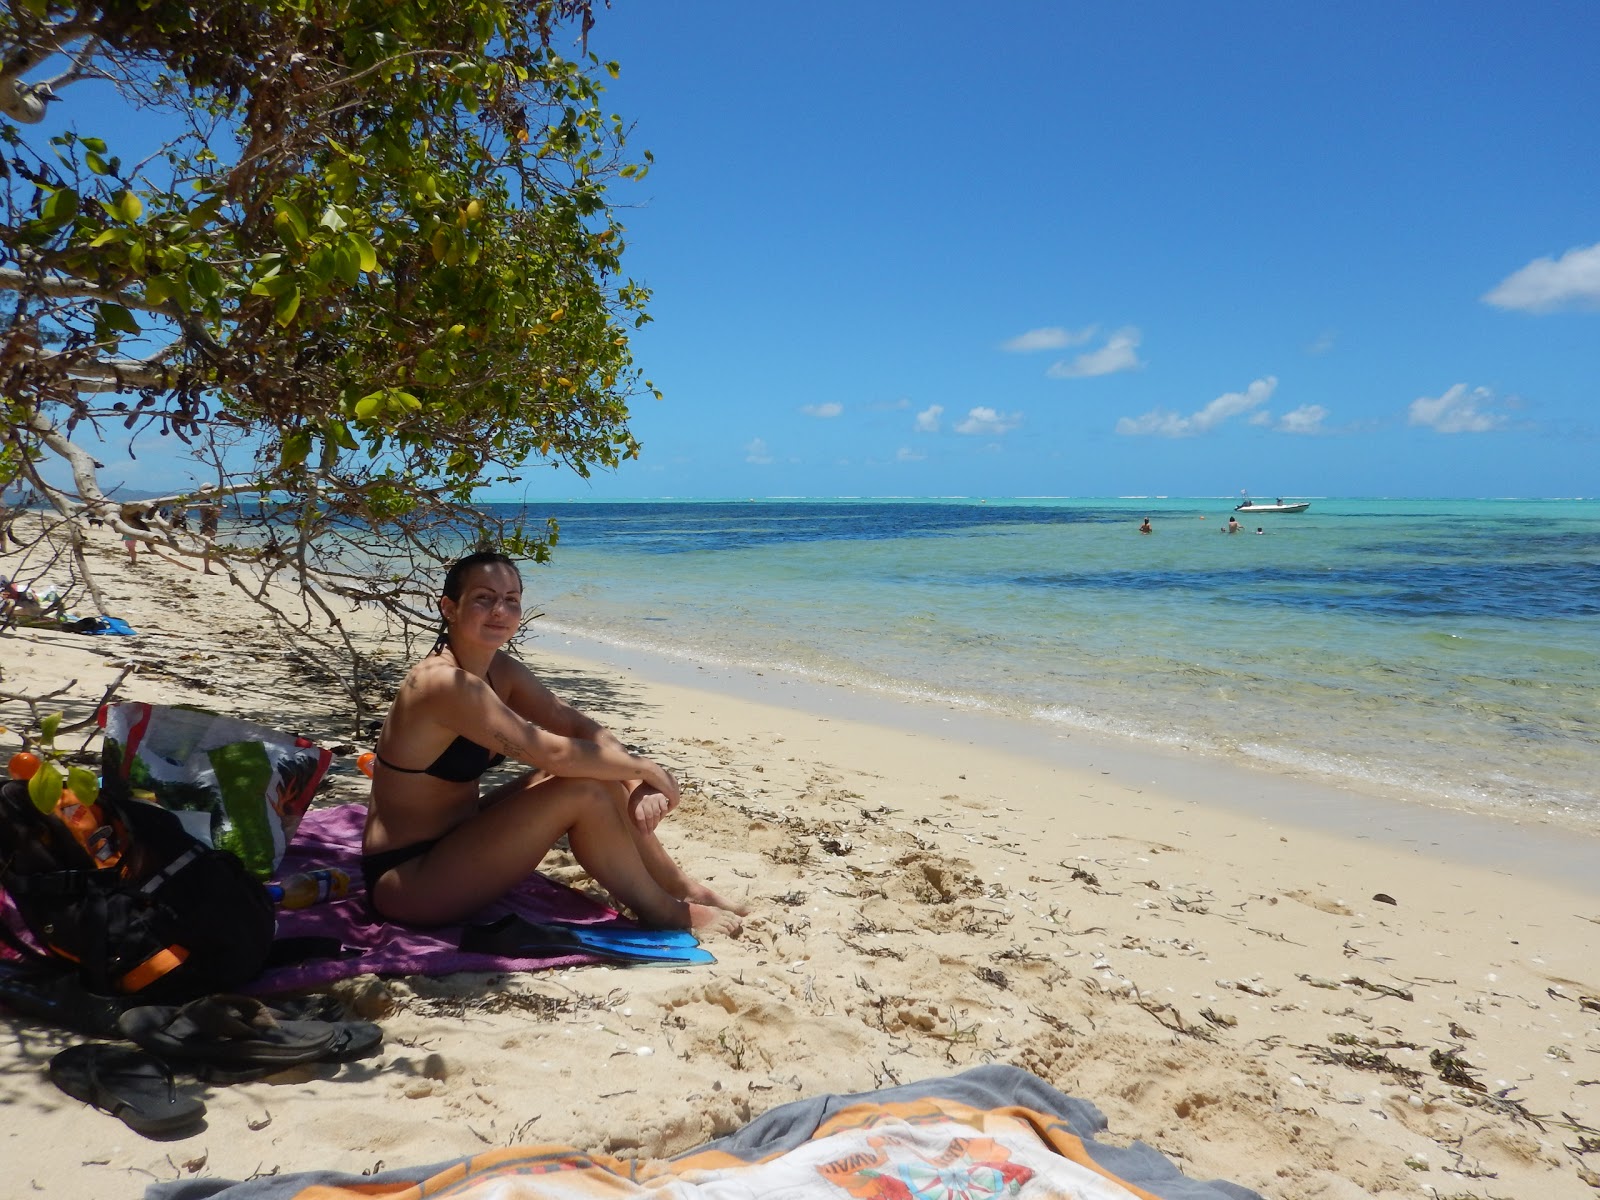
(435, 851)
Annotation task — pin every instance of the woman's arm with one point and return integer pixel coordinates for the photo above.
(536, 703)
(469, 706)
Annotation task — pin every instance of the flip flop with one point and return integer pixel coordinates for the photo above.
(56, 996)
(129, 1084)
(227, 1032)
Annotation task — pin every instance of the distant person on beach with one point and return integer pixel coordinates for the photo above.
(1233, 525)
(133, 517)
(1260, 530)
(210, 515)
(435, 850)
(1145, 528)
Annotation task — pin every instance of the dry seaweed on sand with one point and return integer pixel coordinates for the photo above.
(1177, 1024)
(1455, 1070)
(1382, 989)
(1364, 1060)
(535, 1004)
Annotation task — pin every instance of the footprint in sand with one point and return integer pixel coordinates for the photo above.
(1321, 903)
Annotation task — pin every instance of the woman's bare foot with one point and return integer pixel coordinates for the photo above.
(699, 893)
(704, 918)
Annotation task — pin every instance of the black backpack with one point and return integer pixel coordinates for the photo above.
(170, 920)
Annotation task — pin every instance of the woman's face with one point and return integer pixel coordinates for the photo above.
(490, 608)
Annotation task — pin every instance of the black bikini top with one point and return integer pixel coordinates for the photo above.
(462, 761)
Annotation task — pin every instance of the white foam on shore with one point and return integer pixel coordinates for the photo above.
(1547, 845)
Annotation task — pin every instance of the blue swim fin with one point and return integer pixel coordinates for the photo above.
(627, 935)
(514, 937)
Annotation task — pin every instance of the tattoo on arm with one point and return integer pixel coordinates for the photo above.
(509, 746)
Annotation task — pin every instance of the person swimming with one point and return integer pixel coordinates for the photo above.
(435, 851)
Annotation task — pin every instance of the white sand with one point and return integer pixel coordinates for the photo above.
(923, 903)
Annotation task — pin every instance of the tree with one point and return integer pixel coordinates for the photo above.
(372, 269)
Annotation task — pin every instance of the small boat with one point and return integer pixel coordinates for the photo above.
(1250, 506)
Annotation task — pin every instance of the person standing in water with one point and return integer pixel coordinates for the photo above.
(435, 850)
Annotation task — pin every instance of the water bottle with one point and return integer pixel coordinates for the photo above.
(309, 887)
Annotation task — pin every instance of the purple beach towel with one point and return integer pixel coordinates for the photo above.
(331, 837)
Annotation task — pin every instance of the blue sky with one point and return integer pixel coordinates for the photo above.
(1062, 249)
(921, 248)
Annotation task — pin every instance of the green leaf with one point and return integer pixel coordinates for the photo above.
(296, 447)
(60, 207)
(84, 784)
(366, 254)
(44, 789)
(129, 207)
(285, 307)
(115, 317)
(348, 265)
(96, 163)
(332, 220)
(368, 406)
(98, 145)
(48, 727)
(107, 237)
(292, 216)
(204, 278)
(273, 285)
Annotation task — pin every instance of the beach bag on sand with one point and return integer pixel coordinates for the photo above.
(234, 784)
(150, 911)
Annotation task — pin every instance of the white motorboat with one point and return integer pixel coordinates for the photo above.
(1250, 506)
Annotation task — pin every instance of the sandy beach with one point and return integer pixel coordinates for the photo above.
(1303, 1002)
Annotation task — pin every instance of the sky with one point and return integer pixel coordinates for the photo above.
(927, 249)
(1030, 248)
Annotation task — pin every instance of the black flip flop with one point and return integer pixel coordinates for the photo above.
(49, 994)
(228, 1032)
(129, 1084)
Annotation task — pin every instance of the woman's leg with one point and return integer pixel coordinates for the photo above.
(491, 852)
(666, 872)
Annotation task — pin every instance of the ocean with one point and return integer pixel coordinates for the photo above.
(1446, 651)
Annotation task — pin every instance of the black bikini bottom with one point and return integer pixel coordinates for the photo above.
(375, 866)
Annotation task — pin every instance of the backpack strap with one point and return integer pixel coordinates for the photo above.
(154, 883)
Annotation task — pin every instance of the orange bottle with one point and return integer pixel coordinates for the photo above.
(89, 829)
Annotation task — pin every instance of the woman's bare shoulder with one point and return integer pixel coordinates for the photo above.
(435, 677)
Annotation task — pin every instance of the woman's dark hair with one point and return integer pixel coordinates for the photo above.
(455, 579)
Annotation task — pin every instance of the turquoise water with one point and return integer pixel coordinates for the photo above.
(1448, 651)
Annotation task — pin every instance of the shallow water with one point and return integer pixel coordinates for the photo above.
(1444, 650)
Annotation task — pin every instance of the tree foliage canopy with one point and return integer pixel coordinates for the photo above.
(373, 268)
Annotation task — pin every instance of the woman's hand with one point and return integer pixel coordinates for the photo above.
(653, 799)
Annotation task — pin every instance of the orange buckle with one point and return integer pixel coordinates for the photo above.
(152, 969)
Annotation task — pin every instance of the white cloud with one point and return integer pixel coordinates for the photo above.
(830, 409)
(906, 454)
(1161, 422)
(1457, 411)
(928, 418)
(987, 421)
(1261, 418)
(1546, 285)
(756, 451)
(1308, 418)
(1323, 342)
(1050, 338)
(1120, 353)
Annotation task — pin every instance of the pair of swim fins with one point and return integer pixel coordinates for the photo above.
(517, 937)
